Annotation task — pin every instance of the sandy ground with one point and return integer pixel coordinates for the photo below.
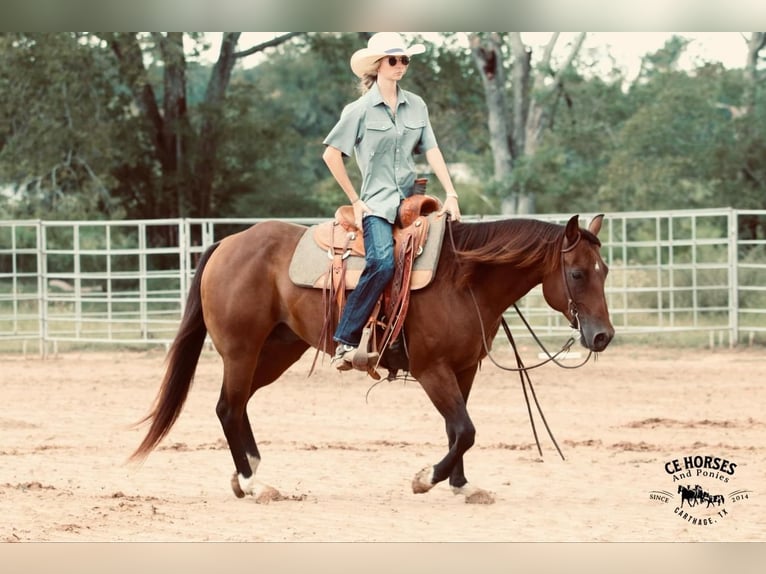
(344, 460)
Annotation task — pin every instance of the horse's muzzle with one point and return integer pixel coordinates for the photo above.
(596, 337)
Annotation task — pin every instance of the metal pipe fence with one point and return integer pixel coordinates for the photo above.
(125, 282)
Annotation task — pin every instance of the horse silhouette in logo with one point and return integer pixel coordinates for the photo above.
(687, 494)
(697, 495)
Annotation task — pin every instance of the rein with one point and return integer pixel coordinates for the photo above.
(520, 367)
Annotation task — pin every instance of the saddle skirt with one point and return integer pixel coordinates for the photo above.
(336, 246)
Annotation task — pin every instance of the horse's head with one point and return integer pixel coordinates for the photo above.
(576, 286)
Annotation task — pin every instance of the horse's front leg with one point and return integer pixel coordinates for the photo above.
(450, 401)
(457, 479)
(460, 485)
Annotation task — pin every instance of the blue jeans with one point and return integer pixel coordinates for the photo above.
(378, 271)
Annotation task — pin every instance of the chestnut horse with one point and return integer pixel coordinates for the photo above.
(261, 323)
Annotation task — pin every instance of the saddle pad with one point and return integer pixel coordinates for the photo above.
(310, 263)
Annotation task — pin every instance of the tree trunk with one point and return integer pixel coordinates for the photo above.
(210, 131)
(131, 69)
(520, 84)
(543, 110)
(176, 130)
(489, 60)
(755, 44)
(188, 160)
(512, 139)
(520, 201)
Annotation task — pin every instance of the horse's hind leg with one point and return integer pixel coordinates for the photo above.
(231, 411)
(241, 379)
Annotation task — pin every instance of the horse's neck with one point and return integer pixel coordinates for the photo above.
(497, 287)
(517, 269)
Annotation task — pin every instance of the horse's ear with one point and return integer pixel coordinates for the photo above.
(595, 224)
(572, 232)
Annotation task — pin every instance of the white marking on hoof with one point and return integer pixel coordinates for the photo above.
(423, 481)
(474, 494)
(262, 492)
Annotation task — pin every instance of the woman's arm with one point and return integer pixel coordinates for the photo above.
(435, 159)
(333, 157)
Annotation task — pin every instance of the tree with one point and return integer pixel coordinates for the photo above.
(57, 119)
(755, 44)
(276, 117)
(750, 116)
(489, 56)
(185, 151)
(669, 150)
(519, 134)
(132, 125)
(565, 172)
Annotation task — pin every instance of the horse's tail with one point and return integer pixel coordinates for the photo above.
(182, 360)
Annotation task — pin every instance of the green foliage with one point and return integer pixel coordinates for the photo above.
(669, 152)
(665, 59)
(58, 115)
(274, 130)
(564, 173)
(73, 145)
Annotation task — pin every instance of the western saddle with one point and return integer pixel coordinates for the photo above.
(340, 238)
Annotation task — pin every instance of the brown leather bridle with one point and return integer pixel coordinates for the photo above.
(574, 317)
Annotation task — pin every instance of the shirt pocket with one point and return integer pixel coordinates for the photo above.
(380, 136)
(413, 132)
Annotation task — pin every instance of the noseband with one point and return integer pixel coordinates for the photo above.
(574, 322)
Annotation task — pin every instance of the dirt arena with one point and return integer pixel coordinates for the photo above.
(343, 458)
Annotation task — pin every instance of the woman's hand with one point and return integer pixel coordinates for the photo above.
(451, 206)
(360, 210)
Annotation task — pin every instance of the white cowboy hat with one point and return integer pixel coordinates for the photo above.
(378, 46)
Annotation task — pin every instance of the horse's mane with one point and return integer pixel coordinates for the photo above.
(524, 242)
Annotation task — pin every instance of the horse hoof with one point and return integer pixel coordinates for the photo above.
(267, 494)
(423, 480)
(475, 495)
(480, 497)
(238, 492)
(262, 493)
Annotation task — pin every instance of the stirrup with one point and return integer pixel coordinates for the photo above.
(342, 358)
(362, 360)
(348, 357)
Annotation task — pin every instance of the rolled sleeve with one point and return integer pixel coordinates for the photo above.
(345, 134)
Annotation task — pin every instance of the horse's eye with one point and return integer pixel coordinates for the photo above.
(576, 274)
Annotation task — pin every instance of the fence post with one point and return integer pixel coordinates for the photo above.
(42, 297)
(733, 240)
(77, 279)
(185, 259)
(143, 246)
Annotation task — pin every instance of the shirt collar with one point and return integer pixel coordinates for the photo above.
(376, 98)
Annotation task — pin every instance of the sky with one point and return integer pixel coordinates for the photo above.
(628, 48)
(729, 48)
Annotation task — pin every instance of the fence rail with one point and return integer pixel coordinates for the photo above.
(125, 283)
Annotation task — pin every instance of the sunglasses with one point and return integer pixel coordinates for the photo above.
(405, 60)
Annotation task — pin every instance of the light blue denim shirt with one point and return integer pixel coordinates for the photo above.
(384, 145)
